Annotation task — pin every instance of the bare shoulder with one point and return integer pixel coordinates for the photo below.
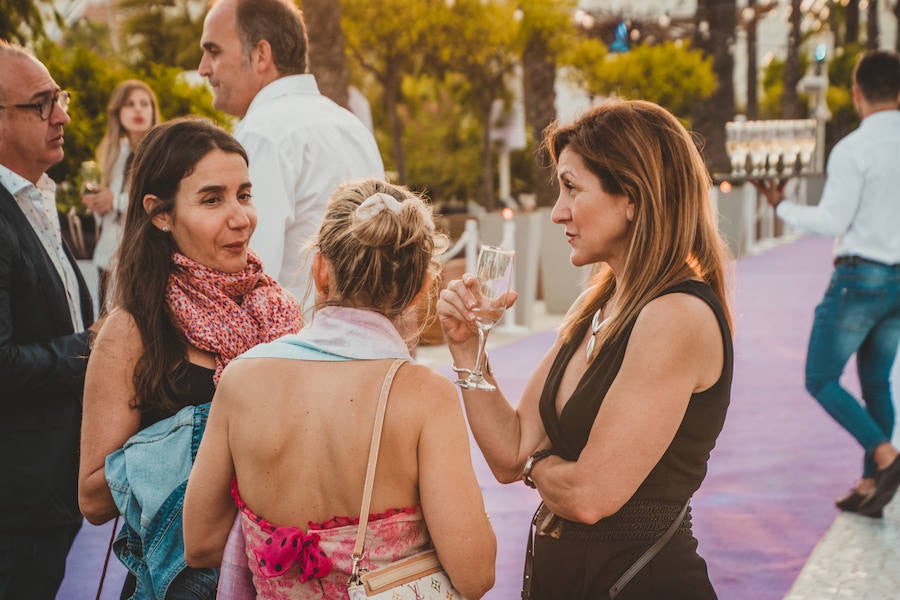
(249, 375)
(425, 387)
(678, 320)
(118, 333)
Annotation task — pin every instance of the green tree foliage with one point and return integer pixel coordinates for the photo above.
(91, 79)
(481, 42)
(840, 101)
(21, 21)
(771, 103)
(165, 32)
(442, 139)
(391, 40)
(670, 74)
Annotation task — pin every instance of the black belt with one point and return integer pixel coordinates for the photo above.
(637, 520)
(852, 261)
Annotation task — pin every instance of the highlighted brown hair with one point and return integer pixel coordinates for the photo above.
(641, 150)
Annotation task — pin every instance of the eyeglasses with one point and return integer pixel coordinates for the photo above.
(44, 108)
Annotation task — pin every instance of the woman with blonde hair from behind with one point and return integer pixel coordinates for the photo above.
(290, 429)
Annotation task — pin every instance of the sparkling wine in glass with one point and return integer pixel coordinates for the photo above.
(90, 177)
(494, 272)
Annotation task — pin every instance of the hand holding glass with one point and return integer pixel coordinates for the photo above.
(494, 273)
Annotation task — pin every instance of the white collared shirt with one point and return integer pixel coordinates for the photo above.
(860, 204)
(38, 202)
(301, 146)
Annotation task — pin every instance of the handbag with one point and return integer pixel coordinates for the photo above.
(552, 522)
(417, 577)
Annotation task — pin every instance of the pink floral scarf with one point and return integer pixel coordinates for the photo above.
(229, 313)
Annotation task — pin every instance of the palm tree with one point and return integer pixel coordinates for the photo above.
(538, 78)
(547, 27)
(897, 36)
(790, 101)
(872, 28)
(327, 56)
(715, 33)
(851, 36)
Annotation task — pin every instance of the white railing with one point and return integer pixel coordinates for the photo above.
(468, 242)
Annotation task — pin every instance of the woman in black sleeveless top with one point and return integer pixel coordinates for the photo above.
(616, 425)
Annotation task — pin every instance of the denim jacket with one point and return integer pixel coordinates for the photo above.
(148, 477)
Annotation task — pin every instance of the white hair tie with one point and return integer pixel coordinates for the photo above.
(376, 203)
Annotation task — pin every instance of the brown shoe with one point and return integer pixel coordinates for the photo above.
(852, 501)
(887, 480)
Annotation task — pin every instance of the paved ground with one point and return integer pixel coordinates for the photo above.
(857, 558)
(764, 515)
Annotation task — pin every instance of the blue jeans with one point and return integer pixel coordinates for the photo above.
(860, 314)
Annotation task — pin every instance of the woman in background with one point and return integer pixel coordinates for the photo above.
(131, 112)
(189, 296)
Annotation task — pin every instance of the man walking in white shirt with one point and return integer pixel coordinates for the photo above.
(301, 144)
(860, 313)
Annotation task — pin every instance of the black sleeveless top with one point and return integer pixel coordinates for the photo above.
(194, 386)
(682, 467)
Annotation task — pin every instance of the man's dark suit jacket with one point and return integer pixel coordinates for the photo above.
(42, 364)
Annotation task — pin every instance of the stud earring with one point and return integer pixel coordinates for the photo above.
(165, 229)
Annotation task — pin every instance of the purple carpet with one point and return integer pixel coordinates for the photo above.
(779, 462)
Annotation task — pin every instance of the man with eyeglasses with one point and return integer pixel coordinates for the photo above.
(45, 308)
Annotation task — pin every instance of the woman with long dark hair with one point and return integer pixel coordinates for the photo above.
(189, 296)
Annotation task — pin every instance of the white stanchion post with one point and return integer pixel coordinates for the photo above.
(472, 245)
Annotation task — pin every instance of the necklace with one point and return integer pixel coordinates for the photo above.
(596, 324)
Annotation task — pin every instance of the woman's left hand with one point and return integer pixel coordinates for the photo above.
(100, 202)
(454, 309)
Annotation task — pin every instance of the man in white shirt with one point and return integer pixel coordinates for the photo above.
(860, 313)
(301, 144)
(45, 307)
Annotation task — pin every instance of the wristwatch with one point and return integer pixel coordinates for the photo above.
(529, 465)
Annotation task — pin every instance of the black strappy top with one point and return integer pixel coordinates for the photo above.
(194, 387)
(682, 467)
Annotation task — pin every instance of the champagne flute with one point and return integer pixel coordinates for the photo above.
(736, 146)
(90, 177)
(494, 273)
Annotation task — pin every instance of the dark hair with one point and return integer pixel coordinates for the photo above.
(379, 262)
(639, 149)
(279, 22)
(167, 154)
(877, 75)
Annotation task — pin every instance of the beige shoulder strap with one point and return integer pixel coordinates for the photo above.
(373, 459)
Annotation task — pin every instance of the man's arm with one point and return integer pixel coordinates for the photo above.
(55, 365)
(840, 198)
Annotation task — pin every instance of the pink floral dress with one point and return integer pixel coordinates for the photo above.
(289, 564)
